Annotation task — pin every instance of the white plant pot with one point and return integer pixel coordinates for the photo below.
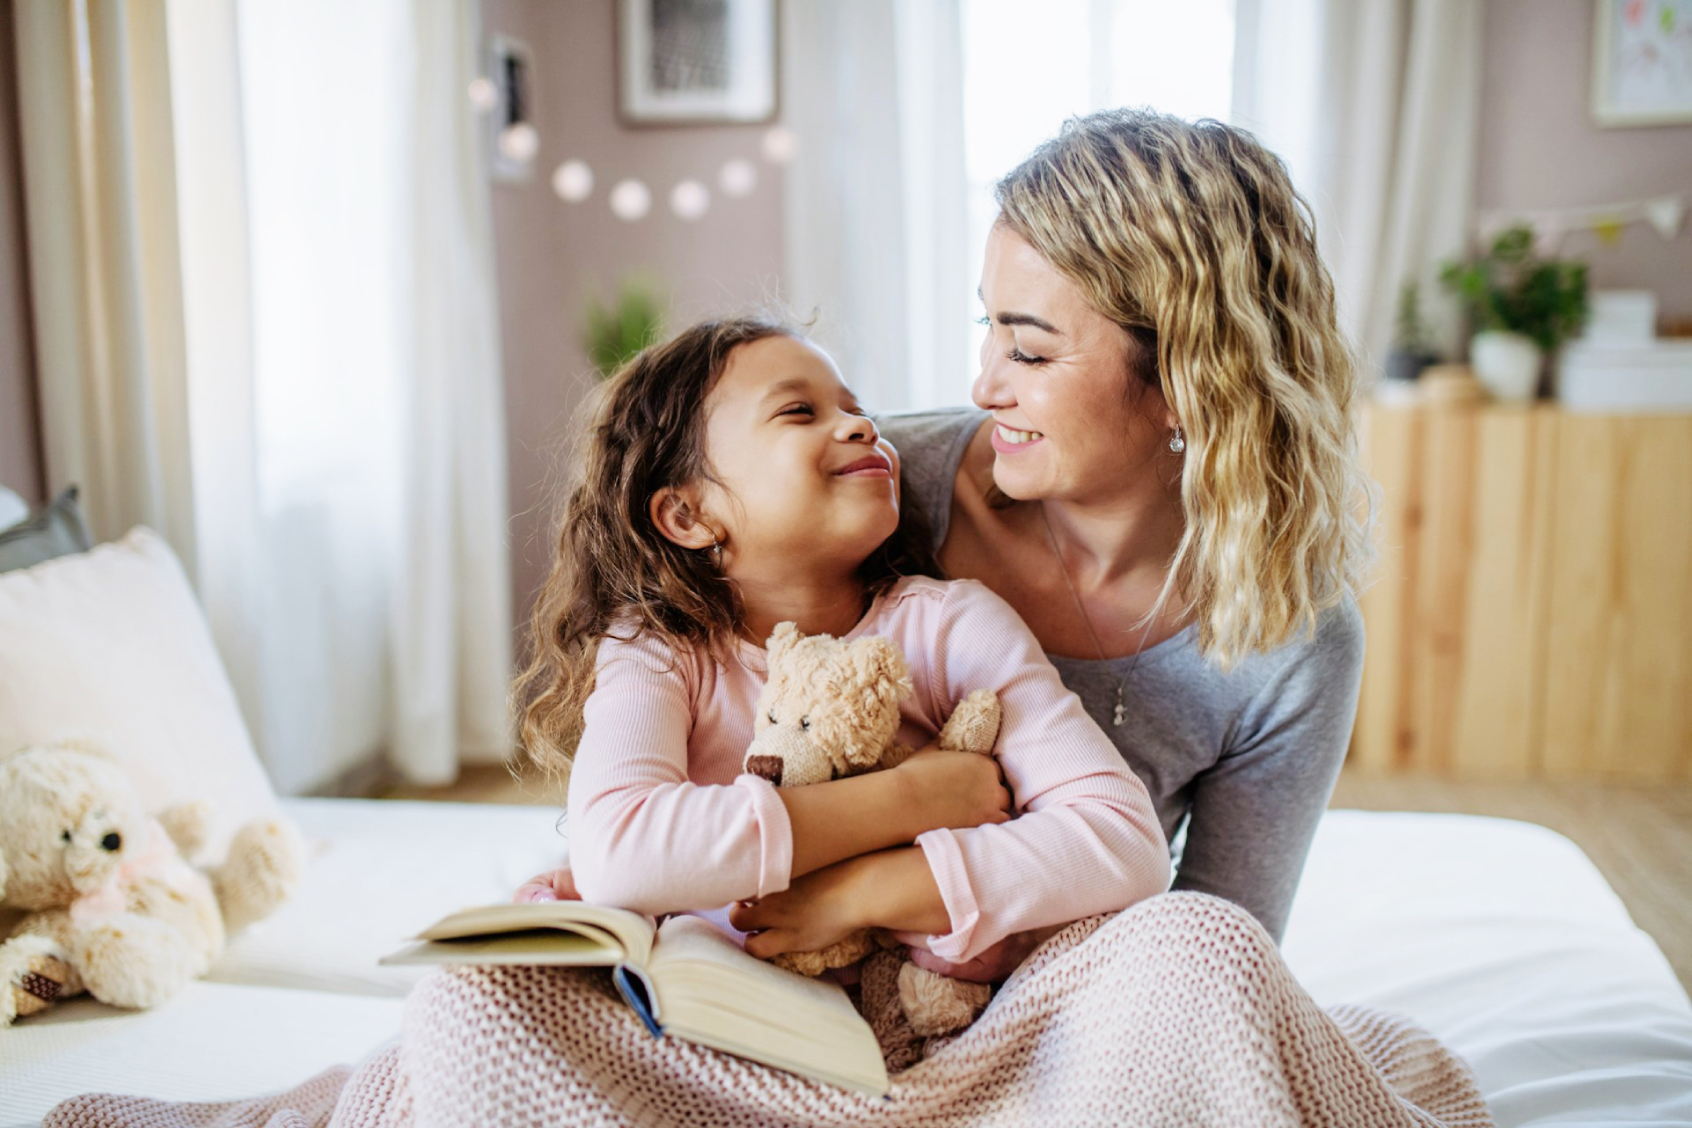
(1506, 364)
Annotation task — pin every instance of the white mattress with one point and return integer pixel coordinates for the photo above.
(1504, 940)
(1498, 936)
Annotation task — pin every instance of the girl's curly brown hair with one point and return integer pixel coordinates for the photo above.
(613, 572)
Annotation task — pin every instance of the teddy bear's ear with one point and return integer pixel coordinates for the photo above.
(782, 640)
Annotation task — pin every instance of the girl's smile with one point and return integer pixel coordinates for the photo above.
(872, 466)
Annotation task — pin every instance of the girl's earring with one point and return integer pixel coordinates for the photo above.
(716, 552)
(1177, 443)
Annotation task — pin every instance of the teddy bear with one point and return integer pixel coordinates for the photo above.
(112, 905)
(830, 709)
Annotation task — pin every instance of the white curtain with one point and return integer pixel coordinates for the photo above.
(263, 279)
(875, 217)
(1374, 106)
(100, 206)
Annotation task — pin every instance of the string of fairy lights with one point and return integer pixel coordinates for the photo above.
(630, 198)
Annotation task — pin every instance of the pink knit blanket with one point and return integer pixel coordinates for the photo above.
(1178, 1011)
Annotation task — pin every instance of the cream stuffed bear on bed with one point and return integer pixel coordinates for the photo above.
(114, 907)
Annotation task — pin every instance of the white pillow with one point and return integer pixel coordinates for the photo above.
(110, 647)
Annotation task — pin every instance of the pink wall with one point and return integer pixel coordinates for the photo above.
(20, 444)
(552, 254)
(1540, 149)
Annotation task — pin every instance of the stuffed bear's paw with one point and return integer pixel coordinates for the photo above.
(187, 825)
(974, 724)
(32, 977)
(936, 1004)
(901, 1047)
(135, 961)
(842, 953)
(266, 859)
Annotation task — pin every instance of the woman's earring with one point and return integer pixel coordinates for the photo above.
(1177, 444)
(716, 552)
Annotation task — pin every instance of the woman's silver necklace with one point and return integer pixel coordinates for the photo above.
(1120, 713)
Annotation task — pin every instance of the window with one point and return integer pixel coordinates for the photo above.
(1024, 73)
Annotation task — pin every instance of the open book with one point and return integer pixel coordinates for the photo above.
(684, 978)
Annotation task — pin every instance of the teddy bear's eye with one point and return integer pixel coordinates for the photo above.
(66, 836)
(805, 723)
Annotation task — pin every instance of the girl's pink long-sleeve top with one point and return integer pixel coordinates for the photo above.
(661, 818)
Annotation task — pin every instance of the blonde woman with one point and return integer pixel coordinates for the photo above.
(1160, 479)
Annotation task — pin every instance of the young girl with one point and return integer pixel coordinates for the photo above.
(732, 482)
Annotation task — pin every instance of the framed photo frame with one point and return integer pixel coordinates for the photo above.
(696, 62)
(1642, 62)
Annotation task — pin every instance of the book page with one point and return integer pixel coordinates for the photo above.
(711, 992)
(536, 932)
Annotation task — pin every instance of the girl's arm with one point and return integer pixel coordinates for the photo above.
(643, 836)
(1087, 840)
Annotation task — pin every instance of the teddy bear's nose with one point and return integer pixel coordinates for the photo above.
(767, 766)
(112, 841)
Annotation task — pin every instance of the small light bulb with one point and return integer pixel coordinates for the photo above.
(690, 199)
(573, 181)
(484, 95)
(519, 142)
(630, 200)
(780, 145)
(738, 177)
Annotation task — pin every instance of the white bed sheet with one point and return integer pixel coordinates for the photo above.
(212, 1042)
(1503, 939)
(379, 871)
(1498, 936)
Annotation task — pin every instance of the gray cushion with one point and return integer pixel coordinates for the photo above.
(58, 530)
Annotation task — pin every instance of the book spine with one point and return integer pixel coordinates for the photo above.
(634, 993)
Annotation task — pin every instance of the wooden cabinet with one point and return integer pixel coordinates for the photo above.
(1531, 613)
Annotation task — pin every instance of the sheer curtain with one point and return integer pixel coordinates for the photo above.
(1374, 107)
(875, 230)
(262, 256)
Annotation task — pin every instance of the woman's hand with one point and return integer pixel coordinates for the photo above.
(955, 790)
(555, 885)
(994, 964)
(821, 908)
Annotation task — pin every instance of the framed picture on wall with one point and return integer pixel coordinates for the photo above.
(1642, 62)
(696, 62)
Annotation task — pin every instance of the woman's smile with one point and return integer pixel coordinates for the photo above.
(1008, 441)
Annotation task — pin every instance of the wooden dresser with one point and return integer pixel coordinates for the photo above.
(1531, 613)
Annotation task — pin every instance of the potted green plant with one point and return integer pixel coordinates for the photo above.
(613, 334)
(1410, 352)
(1522, 307)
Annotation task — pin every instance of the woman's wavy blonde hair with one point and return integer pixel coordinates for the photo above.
(1190, 236)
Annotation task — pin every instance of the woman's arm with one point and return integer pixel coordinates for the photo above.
(1255, 811)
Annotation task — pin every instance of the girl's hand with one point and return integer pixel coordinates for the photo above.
(994, 964)
(556, 885)
(955, 790)
(816, 910)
